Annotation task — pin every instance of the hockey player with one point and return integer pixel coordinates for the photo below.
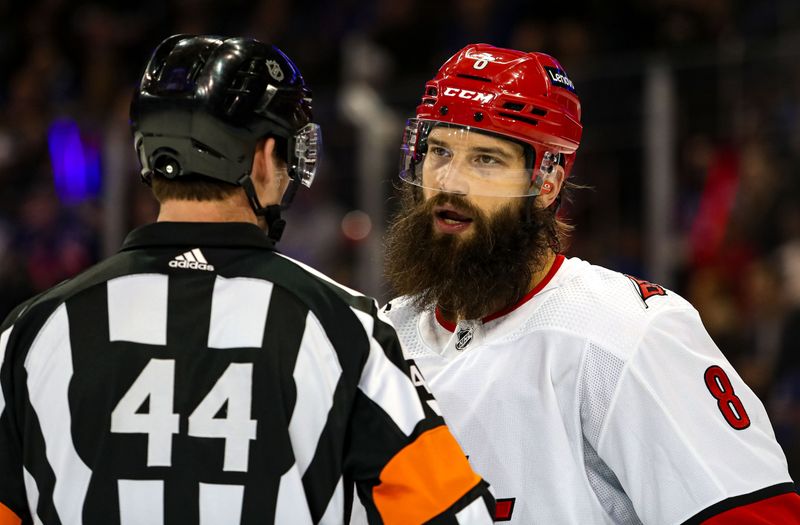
(583, 395)
(198, 376)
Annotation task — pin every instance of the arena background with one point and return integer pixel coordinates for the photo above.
(691, 142)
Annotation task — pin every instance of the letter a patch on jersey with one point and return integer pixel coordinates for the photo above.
(423, 391)
(646, 288)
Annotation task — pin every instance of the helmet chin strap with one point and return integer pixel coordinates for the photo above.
(271, 212)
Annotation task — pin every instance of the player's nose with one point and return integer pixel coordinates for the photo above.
(451, 178)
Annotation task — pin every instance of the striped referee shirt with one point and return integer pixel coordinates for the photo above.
(198, 376)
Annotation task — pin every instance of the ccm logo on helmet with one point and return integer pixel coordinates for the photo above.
(467, 94)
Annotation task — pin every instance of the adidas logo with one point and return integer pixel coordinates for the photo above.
(193, 260)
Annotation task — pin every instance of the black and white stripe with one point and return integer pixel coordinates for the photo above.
(3, 343)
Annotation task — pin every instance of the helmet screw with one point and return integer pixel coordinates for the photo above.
(478, 116)
(169, 168)
(443, 110)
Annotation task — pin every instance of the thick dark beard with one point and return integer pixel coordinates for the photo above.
(472, 277)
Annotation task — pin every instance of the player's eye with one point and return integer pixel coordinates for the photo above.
(488, 161)
(439, 151)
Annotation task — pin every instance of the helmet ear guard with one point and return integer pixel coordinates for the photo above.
(165, 162)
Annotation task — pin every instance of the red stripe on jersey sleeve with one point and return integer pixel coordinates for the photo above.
(7, 517)
(777, 510)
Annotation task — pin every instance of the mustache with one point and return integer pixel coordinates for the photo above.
(453, 199)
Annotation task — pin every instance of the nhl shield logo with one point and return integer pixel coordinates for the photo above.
(275, 70)
(464, 338)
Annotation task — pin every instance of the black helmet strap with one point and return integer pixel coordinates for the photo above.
(271, 212)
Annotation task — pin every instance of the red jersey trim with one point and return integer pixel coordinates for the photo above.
(776, 505)
(451, 327)
(447, 325)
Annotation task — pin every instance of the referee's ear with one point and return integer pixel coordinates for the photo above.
(269, 173)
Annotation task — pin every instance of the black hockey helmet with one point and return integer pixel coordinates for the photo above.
(203, 104)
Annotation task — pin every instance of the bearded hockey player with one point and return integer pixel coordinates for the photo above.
(584, 396)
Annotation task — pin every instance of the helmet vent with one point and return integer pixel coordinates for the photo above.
(175, 80)
(244, 77)
(539, 111)
(240, 87)
(474, 77)
(197, 67)
(203, 148)
(514, 106)
(431, 91)
(530, 121)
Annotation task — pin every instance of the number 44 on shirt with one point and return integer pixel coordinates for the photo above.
(156, 383)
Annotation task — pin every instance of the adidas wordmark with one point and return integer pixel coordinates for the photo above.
(193, 260)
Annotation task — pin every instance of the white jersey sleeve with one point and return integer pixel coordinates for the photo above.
(681, 430)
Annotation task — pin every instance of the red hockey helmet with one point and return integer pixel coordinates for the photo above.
(525, 97)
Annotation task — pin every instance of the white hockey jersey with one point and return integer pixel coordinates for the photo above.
(598, 399)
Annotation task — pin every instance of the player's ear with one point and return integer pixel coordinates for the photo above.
(551, 187)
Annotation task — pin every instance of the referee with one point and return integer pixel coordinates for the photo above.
(198, 376)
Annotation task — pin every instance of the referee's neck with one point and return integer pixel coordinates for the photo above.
(232, 209)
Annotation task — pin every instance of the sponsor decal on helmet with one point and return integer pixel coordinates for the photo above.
(468, 94)
(558, 77)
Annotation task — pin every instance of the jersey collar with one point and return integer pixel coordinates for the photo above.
(559, 260)
(211, 234)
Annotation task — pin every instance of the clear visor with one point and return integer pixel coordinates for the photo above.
(470, 161)
(307, 153)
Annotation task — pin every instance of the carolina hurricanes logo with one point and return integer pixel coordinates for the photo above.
(646, 288)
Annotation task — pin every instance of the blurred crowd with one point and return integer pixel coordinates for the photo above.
(70, 189)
